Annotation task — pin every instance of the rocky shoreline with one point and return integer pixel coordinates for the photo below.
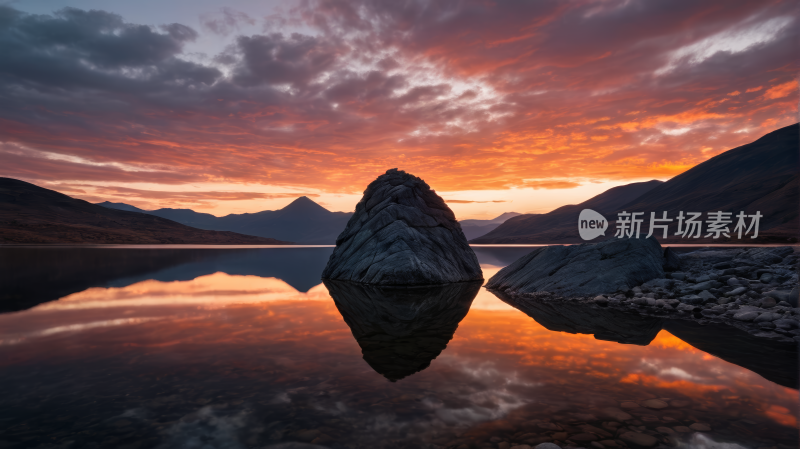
(752, 289)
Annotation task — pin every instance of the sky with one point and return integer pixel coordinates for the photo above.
(242, 106)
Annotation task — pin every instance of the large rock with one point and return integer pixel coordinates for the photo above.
(583, 270)
(402, 329)
(402, 233)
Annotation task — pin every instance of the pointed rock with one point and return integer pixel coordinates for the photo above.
(402, 233)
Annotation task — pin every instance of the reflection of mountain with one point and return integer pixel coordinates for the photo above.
(580, 318)
(302, 221)
(500, 256)
(46, 274)
(774, 361)
(760, 176)
(32, 214)
(402, 329)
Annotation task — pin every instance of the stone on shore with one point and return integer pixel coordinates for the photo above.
(586, 269)
(402, 233)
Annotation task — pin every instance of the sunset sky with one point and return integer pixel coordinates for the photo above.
(241, 106)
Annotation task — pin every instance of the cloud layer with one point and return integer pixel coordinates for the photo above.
(467, 94)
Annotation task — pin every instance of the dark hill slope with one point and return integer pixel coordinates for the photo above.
(761, 176)
(32, 214)
(549, 227)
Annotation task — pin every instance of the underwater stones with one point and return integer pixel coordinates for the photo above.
(586, 269)
(402, 233)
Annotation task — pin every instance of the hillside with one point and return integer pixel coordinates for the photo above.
(761, 176)
(550, 227)
(476, 228)
(302, 221)
(32, 214)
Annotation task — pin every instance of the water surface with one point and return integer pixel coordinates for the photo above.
(241, 348)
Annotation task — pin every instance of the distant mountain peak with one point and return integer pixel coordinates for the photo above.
(304, 203)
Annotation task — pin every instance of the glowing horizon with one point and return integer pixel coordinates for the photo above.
(506, 107)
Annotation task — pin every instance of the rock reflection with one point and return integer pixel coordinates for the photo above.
(580, 318)
(402, 329)
(775, 361)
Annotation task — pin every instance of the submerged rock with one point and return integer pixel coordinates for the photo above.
(402, 233)
(587, 269)
(402, 329)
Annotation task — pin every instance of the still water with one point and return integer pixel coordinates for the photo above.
(246, 348)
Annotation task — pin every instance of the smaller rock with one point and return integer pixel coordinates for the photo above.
(707, 296)
(733, 282)
(682, 429)
(745, 316)
(768, 316)
(583, 437)
(766, 325)
(736, 291)
(786, 324)
(767, 302)
(616, 414)
(685, 307)
(679, 403)
(638, 439)
(656, 404)
(699, 427)
(547, 446)
(665, 430)
(692, 299)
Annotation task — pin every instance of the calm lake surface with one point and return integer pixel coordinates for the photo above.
(245, 348)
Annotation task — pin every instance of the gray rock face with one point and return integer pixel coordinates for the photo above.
(402, 329)
(582, 270)
(402, 233)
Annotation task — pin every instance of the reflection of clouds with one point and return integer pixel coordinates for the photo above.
(19, 338)
(213, 290)
(205, 429)
(700, 441)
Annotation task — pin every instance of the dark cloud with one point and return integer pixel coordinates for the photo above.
(467, 94)
(226, 21)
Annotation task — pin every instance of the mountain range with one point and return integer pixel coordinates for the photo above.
(762, 176)
(303, 221)
(32, 214)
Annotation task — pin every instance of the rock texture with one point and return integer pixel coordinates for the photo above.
(402, 233)
(587, 269)
(402, 329)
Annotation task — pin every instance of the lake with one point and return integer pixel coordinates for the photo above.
(151, 347)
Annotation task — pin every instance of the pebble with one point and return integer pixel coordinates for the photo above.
(549, 426)
(699, 427)
(638, 439)
(745, 316)
(524, 446)
(682, 429)
(582, 437)
(736, 291)
(665, 430)
(547, 446)
(629, 405)
(769, 316)
(617, 414)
